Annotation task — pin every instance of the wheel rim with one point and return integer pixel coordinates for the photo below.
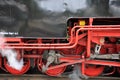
(93, 70)
(52, 72)
(24, 69)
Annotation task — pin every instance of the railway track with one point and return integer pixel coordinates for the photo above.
(30, 77)
(44, 77)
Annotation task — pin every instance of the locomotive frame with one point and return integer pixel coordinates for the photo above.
(82, 41)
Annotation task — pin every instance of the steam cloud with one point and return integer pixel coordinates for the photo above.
(11, 55)
(77, 74)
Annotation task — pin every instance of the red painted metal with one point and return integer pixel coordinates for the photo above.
(82, 68)
(51, 72)
(98, 40)
(93, 70)
(88, 44)
(68, 62)
(103, 62)
(118, 47)
(50, 46)
(17, 72)
(80, 39)
(32, 56)
(116, 27)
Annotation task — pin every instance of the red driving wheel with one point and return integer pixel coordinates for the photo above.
(93, 70)
(53, 72)
(24, 69)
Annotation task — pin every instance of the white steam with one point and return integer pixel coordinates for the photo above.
(77, 74)
(11, 55)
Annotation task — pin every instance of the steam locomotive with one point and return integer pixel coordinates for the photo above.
(54, 34)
